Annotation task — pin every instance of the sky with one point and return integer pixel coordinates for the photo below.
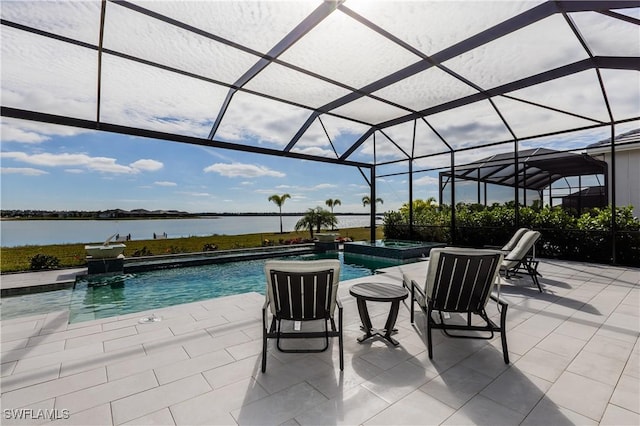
(99, 171)
(49, 167)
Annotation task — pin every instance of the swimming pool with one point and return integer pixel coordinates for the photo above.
(101, 297)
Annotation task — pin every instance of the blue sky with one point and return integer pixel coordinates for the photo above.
(98, 171)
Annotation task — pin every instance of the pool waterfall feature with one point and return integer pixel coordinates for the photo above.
(404, 251)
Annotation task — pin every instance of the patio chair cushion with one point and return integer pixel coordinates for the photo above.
(301, 267)
(432, 268)
(517, 255)
(513, 242)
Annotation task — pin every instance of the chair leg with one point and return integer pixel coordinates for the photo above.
(503, 332)
(264, 341)
(429, 345)
(340, 344)
(534, 275)
(412, 302)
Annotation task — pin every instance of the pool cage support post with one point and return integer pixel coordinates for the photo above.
(453, 197)
(372, 217)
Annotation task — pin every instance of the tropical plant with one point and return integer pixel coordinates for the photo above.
(331, 204)
(366, 200)
(44, 261)
(317, 217)
(279, 201)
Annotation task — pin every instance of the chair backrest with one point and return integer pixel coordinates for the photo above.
(519, 252)
(301, 289)
(461, 280)
(514, 240)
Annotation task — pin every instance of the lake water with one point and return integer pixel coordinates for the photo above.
(42, 232)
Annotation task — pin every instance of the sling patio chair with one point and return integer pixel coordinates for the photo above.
(460, 281)
(299, 292)
(522, 258)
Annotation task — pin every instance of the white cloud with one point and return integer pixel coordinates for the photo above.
(165, 183)
(426, 181)
(147, 165)
(242, 170)
(25, 171)
(31, 132)
(99, 164)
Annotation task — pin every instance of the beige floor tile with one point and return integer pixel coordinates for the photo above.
(53, 388)
(597, 367)
(214, 407)
(580, 394)
(353, 407)
(517, 390)
(456, 386)
(144, 403)
(483, 411)
(280, 406)
(57, 357)
(560, 344)
(399, 381)
(98, 416)
(617, 416)
(188, 367)
(136, 339)
(417, 408)
(238, 371)
(106, 392)
(627, 393)
(549, 413)
(32, 414)
(160, 417)
(100, 360)
(148, 362)
(546, 365)
(30, 378)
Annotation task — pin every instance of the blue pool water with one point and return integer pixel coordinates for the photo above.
(102, 297)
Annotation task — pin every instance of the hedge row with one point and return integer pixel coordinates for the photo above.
(585, 237)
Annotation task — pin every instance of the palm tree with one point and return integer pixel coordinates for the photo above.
(366, 200)
(279, 201)
(331, 204)
(317, 217)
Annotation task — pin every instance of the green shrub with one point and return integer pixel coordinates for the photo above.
(564, 235)
(44, 261)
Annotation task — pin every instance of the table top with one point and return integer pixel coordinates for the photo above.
(379, 292)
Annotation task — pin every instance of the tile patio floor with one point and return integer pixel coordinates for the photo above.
(575, 359)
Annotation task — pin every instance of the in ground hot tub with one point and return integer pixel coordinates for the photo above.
(392, 249)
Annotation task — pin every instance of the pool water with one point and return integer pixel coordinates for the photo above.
(102, 297)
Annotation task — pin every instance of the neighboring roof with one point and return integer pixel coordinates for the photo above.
(323, 80)
(538, 168)
(625, 141)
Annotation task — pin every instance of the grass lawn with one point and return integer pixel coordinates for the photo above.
(18, 259)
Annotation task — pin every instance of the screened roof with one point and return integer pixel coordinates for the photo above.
(353, 82)
(537, 168)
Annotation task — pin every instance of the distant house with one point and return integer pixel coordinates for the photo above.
(627, 167)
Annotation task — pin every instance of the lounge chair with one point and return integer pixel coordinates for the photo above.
(522, 258)
(513, 242)
(299, 292)
(460, 281)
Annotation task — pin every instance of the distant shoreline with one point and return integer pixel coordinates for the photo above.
(165, 216)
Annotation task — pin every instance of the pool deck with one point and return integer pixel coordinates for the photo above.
(575, 359)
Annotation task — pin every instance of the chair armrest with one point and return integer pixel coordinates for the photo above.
(416, 287)
(338, 303)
